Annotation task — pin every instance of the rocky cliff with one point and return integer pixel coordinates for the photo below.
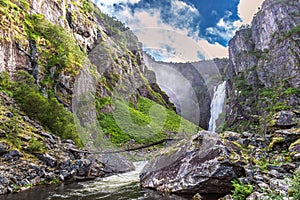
(263, 73)
(190, 86)
(74, 55)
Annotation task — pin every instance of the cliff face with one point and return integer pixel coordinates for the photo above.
(190, 86)
(69, 53)
(264, 64)
(85, 26)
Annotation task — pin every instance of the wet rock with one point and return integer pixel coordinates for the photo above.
(197, 166)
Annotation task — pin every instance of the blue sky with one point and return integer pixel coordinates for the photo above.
(183, 30)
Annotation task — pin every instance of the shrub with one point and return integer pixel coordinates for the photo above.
(241, 191)
(35, 146)
(48, 111)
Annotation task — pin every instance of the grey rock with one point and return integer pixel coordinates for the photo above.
(116, 163)
(49, 160)
(275, 174)
(13, 154)
(257, 196)
(227, 197)
(25, 118)
(197, 166)
(285, 119)
(258, 56)
(3, 181)
(280, 186)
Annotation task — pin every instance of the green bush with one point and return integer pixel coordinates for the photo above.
(47, 110)
(241, 191)
(35, 145)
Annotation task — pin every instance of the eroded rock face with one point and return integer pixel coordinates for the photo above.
(264, 57)
(205, 164)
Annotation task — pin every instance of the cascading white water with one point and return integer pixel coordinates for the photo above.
(217, 104)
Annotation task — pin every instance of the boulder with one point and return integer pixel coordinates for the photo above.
(116, 163)
(285, 119)
(206, 165)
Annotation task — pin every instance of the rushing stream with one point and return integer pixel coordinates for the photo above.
(117, 187)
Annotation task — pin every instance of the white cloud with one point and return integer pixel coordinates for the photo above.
(247, 9)
(225, 28)
(159, 37)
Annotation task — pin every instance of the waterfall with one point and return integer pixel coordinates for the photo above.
(216, 106)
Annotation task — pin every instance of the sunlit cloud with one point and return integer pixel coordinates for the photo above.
(178, 30)
(247, 9)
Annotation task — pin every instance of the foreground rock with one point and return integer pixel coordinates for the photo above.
(205, 164)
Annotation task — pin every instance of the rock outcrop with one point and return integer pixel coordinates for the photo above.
(206, 164)
(209, 162)
(263, 74)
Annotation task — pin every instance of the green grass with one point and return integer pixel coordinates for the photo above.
(145, 123)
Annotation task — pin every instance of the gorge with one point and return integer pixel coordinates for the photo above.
(76, 85)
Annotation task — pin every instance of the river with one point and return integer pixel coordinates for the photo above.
(117, 187)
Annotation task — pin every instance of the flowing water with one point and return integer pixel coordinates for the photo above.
(217, 104)
(117, 187)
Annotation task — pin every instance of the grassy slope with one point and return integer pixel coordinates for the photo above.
(144, 122)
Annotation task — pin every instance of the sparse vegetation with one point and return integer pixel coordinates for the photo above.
(241, 191)
(48, 111)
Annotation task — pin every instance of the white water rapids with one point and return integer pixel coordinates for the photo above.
(216, 106)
